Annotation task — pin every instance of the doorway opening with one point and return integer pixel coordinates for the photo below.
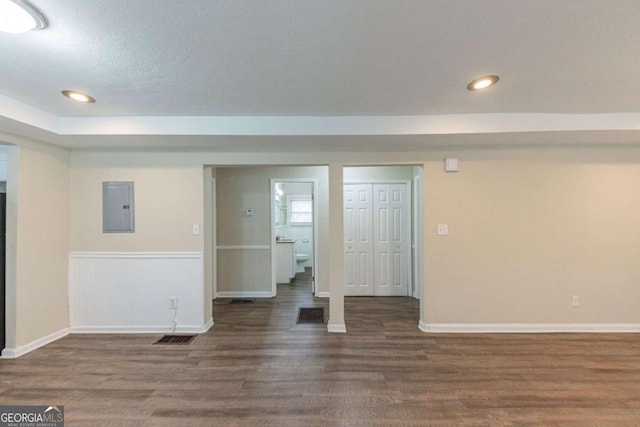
(3, 257)
(3, 246)
(241, 229)
(380, 231)
(294, 225)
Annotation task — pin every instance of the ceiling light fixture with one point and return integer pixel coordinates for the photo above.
(483, 82)
(18, 16)
(78, 96)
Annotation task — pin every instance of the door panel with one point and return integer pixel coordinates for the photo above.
(376, 245)
(358, 240)
(391, 246)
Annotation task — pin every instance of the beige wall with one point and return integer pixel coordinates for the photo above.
(528, 229)
(529, 226)
(169, 199)
(37, 242)
(378, 173)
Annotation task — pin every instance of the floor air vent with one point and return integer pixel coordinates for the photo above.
(176, 339)
(311, 315)
(242, 301)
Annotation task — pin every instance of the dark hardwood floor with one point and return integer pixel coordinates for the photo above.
(257, 367)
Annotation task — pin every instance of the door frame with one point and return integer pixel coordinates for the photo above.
(272, 198)
(3, 275)
(411, 224)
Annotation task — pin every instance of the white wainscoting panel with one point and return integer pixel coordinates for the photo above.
(130, 292)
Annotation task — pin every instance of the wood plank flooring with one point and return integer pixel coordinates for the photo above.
(256, 367)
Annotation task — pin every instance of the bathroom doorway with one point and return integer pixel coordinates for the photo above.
(294, 221)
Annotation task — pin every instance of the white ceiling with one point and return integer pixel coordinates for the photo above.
(351, 67)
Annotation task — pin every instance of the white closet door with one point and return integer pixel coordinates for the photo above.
(358, 234)
(391, 245)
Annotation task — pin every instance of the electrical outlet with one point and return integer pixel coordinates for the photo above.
(443, 229)
(173, 302)
(575, 301)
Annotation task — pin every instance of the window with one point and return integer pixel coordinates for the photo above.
(300, 210)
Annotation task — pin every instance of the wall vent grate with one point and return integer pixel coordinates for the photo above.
(176, 339)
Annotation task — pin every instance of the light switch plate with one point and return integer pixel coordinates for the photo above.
(443, 229)
(248, 212)
(196, 229)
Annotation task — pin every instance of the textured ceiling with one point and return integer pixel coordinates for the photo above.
(326, 57)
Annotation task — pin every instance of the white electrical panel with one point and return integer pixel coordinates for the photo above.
(117, 207)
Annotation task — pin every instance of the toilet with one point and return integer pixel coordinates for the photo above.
(300, 260)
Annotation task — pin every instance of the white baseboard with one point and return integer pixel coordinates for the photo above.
(181, 329)
(323, 294)
(207, 325)
(530, 328)
(248, 294)
(340, 328)
(12, 353)
(423, 326)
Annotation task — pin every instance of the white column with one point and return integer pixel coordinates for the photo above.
(420, 244)
(208, 230)
(336, 249)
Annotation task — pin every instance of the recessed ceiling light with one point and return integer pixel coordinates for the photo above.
(18, 16)
(78, 96)
(483, 82)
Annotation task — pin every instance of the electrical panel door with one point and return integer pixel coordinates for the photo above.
(117, 207)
